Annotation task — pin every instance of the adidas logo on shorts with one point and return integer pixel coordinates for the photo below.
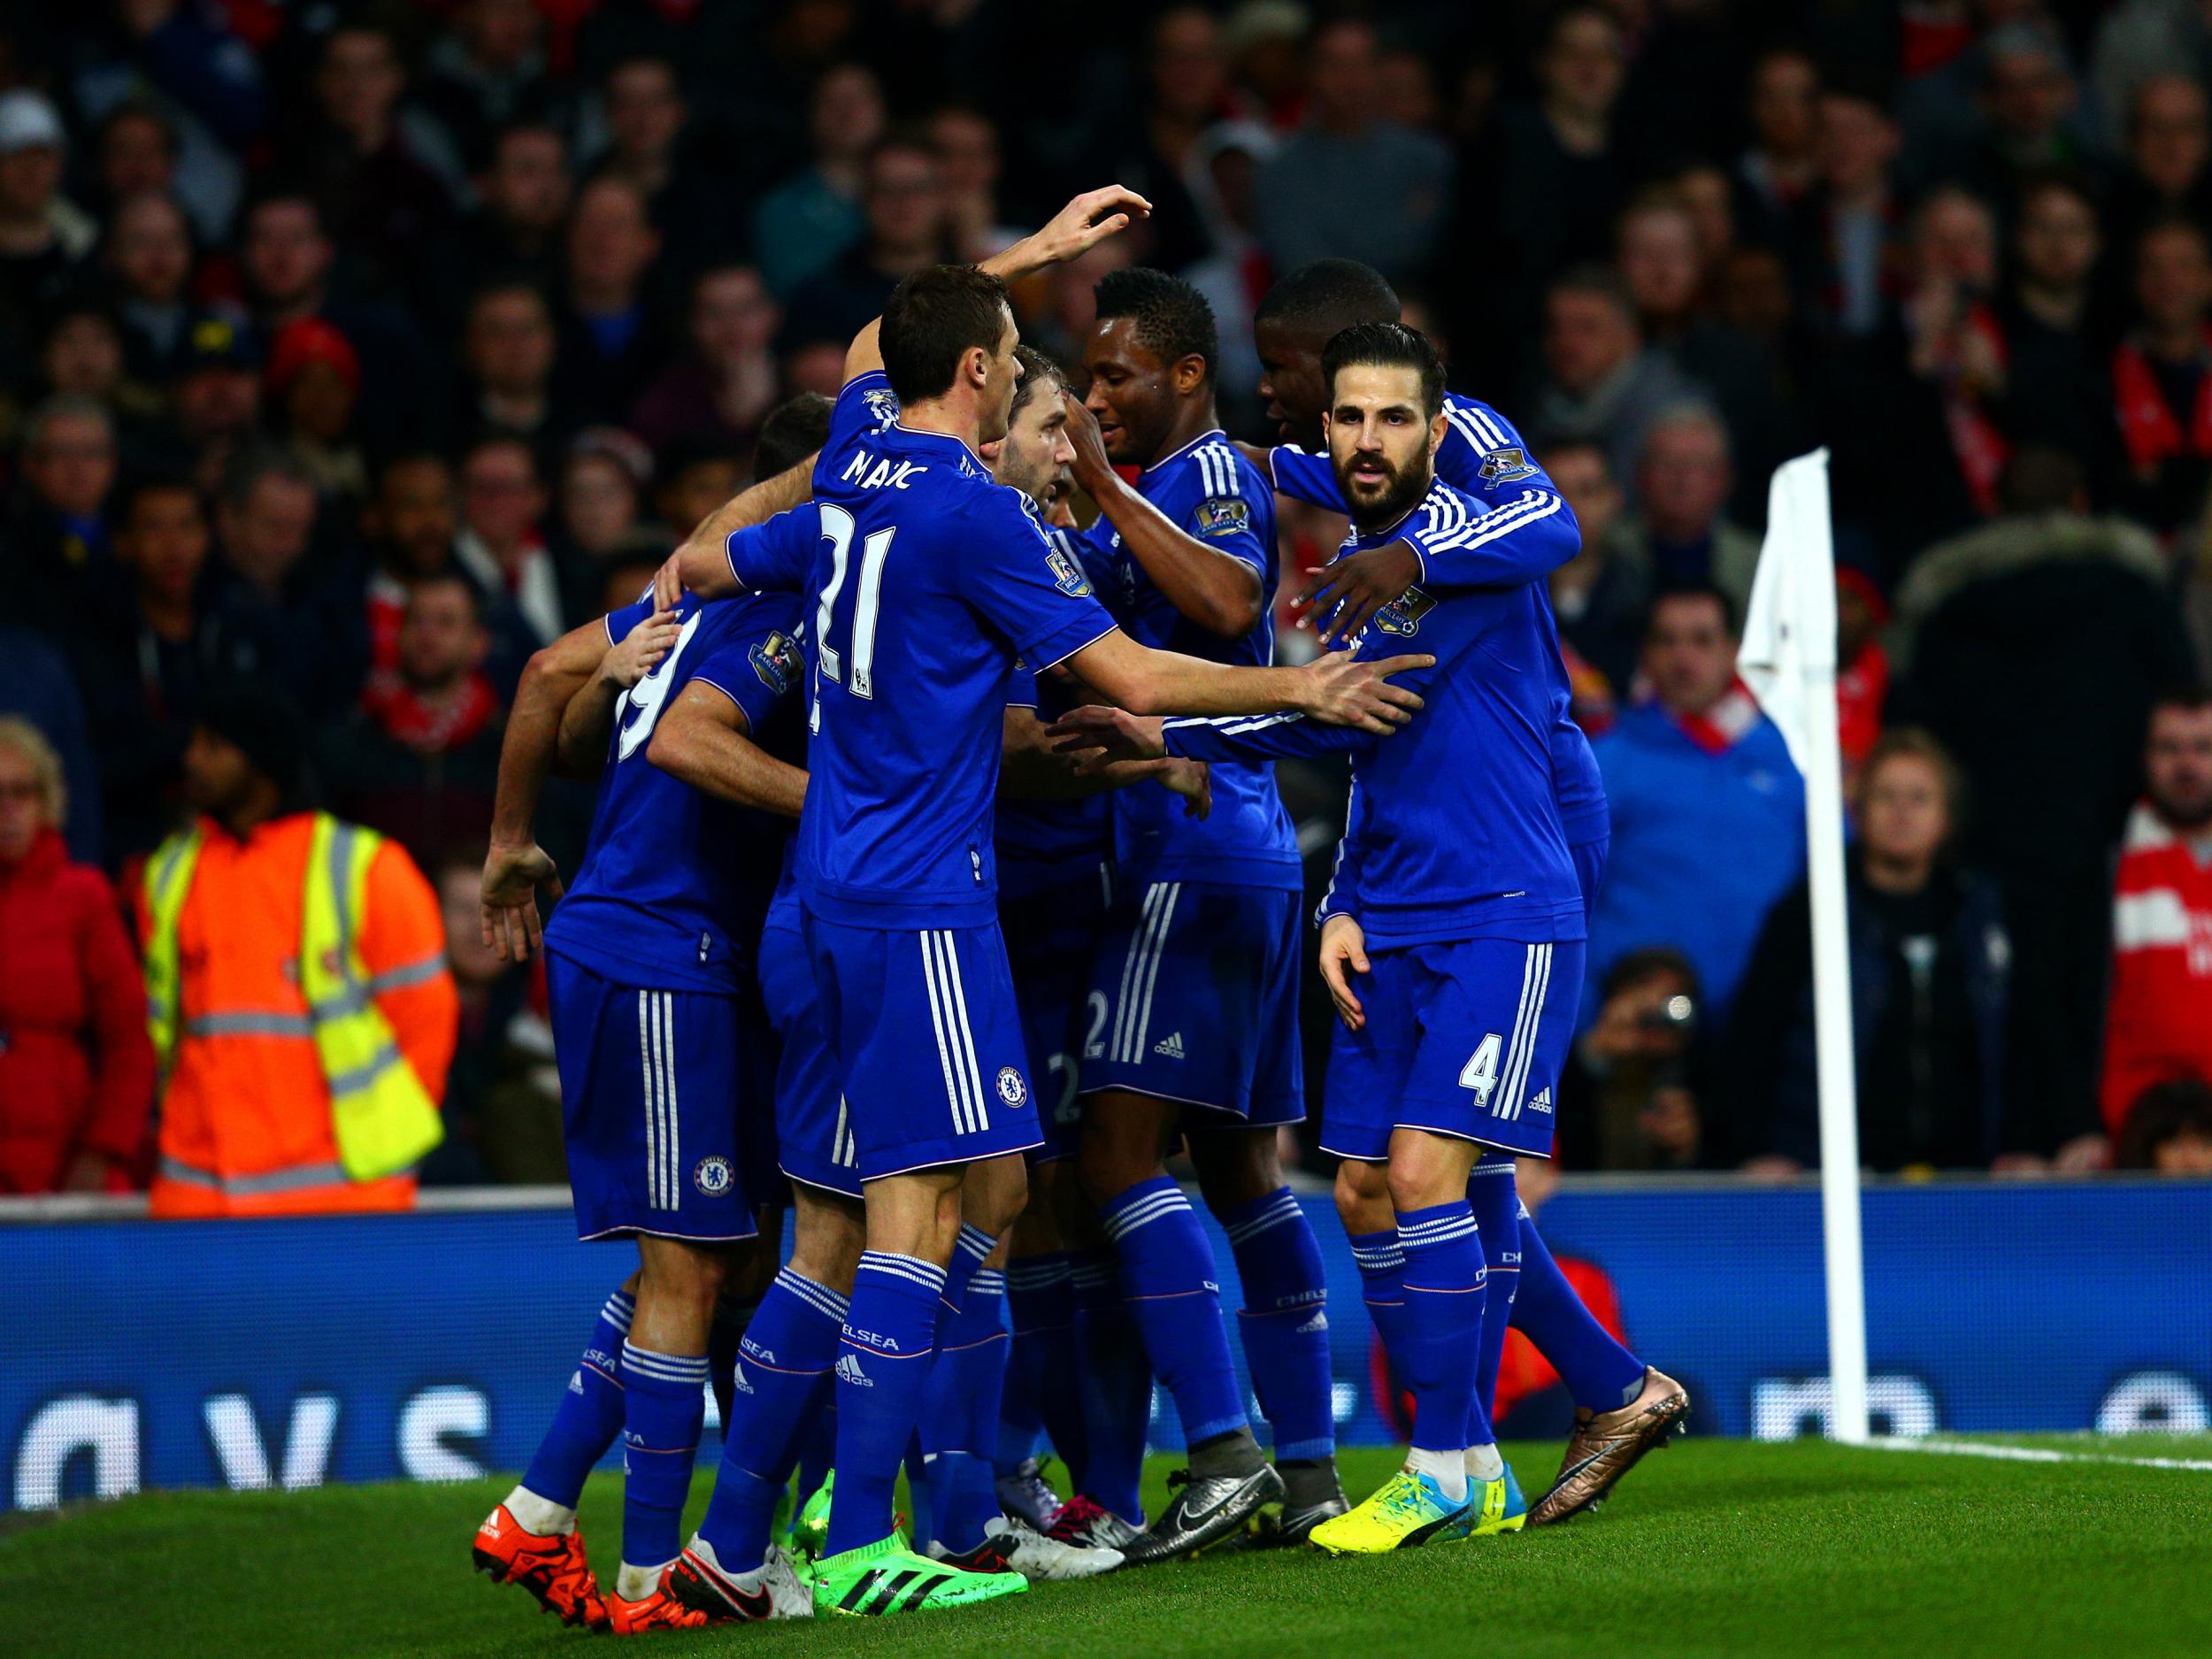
(849, 1371)
(1170, 1047)
(1543, 1103)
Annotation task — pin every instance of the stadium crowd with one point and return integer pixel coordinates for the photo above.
(348, 354)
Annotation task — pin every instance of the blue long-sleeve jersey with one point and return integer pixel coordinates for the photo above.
(1457, 831)
(1520, 531)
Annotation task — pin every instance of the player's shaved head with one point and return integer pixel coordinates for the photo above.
(1301, 314)
(1329, 295)
(1172, 319)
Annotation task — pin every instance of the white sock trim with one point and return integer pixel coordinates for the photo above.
(1448, 1469)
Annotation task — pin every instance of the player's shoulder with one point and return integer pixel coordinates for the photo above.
(1218, 492)
(1481, 446)
(1446, 508)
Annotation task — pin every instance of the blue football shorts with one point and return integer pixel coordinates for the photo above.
(813, 1138)
(1051, 914)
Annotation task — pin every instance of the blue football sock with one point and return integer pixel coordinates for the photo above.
(1040, 1364)
(818, 1445)
(1598, 1373)
(665, 1403)
(882, 1368)
(724, 1337)
(1443, 1321)
(781, 1377)
(1115, 1388)
(1496, 1207)
(590, 1413)
(1382, 1272)
(1167, 1280)
(1285, 1323)
(960, 1414)
(969, 1253)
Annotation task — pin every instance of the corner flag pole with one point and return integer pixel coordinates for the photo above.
(1788, 660)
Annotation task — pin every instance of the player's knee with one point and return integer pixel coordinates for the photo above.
(685, 1275)
(1362, 1196)
(829, 1235)
(1235, 1167)
(995, 1194)
(1417, 1182)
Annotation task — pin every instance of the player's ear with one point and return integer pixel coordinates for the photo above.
(1438, 427)
(1190, 374)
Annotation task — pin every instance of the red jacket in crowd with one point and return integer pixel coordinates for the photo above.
(76, 1066)
(2159, 1021)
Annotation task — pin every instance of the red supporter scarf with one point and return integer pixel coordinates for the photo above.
(2148, 425)
(1977, 441)
(1725, 724)
(433, 728)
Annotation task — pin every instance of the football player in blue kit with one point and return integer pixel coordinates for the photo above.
(1193, 1000)
(1456, 864)
(895, 863)
(650, 968)
(1624, 1407)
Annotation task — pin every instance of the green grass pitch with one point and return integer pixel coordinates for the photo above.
(1713, 1548)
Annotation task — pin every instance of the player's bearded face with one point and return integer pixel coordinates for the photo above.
(1380, 442)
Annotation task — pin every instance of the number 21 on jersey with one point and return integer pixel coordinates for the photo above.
(853, 665)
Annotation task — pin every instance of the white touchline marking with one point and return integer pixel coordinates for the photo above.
(2029, 1454)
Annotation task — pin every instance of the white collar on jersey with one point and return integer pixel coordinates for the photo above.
(1203, 437)
(945, 437)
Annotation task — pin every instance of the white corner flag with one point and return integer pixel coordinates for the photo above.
(1788, 660)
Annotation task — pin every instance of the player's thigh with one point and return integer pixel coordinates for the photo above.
(651, 1084)
(926, 1029)
(1051, 936)
(1368, 1068)
(1497, 1019)
(814, 1139)
(1183, 991)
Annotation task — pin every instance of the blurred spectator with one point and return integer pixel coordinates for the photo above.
(2140, 38)
(966, 146)
(76, 1069)
(2162, 377)
(149, 252)
(2054, 345)
(502, 544)
(1778, 169)
(141, 149)
(726, 383)
(1348, 184)
(1931, 964)
(308, 609)
(507, 352)
(1635, 1079)
(313, 385)
(2033, 649)
(2168, 1129)
(1235, 277)
(1546, 198)
(167, 644)
(36, 686)
(602, 486)
(1697, 770)
(1862, 268)
(1680, 532)
(218, 394)
(2169, 143)
(698, 478)
(2029, 103)
(1599, 381)
(420, 761)
(503, 1103)
(1955, 348)
(255, 921)
(1156, 149)
(2158, 1023)
(903, 207)
(610, 339)
(486, 73)
(410, 525)
(522, 202)
(56, 560)
(1659, 267)
(649, 130)
(383, 169)
(1862, 667)
(45, 237)
(1601, 595)
(82, 356)
(808, 221)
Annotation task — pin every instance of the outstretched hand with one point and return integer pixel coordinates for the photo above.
(1099, 736)
(1349, 690)
(1089, 219)
(1091, 460)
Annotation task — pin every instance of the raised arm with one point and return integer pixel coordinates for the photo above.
(1211, 585)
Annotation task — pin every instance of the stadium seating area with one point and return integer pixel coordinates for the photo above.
(357, 350)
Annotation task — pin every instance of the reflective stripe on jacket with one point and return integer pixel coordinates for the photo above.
(299, 1001)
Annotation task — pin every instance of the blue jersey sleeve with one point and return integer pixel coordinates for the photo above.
(1021, 687)
(1305, 476)
(1342, 898)
(1216, 505)
(1526, 530)
(755, 660)
(774, 557)
(1016, 580)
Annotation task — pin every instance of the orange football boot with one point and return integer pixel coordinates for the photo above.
(550, 1565)
(657, 1611)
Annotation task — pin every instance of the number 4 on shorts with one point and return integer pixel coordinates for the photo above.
(1480, 1073)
